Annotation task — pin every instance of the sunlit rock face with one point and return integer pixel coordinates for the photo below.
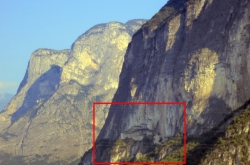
(49, 118)
(191, 51)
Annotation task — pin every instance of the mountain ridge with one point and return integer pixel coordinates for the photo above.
(53, 102)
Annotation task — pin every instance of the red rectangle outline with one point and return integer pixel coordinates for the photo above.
(184, 129)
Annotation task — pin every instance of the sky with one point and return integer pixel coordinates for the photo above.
(26, 25)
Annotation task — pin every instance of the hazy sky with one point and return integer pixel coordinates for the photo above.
(26, 25)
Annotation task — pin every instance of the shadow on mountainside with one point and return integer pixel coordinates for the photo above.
(42, 89)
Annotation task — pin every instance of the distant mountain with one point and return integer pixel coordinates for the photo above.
(48, 121)
(5, 99)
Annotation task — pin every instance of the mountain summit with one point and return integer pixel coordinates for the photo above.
(48, 121)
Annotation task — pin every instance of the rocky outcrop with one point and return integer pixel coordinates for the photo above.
(49, 118)
(194, 51)
(233, 146)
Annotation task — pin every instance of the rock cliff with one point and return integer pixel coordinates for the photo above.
(193, 51)
(48, 121)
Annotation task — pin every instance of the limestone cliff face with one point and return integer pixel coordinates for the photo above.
(194, 51)
(49, 118)
(198, 56)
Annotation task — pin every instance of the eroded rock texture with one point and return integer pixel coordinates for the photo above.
(193, 51)
(49, 118)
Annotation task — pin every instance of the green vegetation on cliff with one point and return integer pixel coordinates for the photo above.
(233, 144)
(220, 145)
(227, 143)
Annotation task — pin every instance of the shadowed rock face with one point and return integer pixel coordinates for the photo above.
(5, 99)
(196, 52)
(49, 118)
